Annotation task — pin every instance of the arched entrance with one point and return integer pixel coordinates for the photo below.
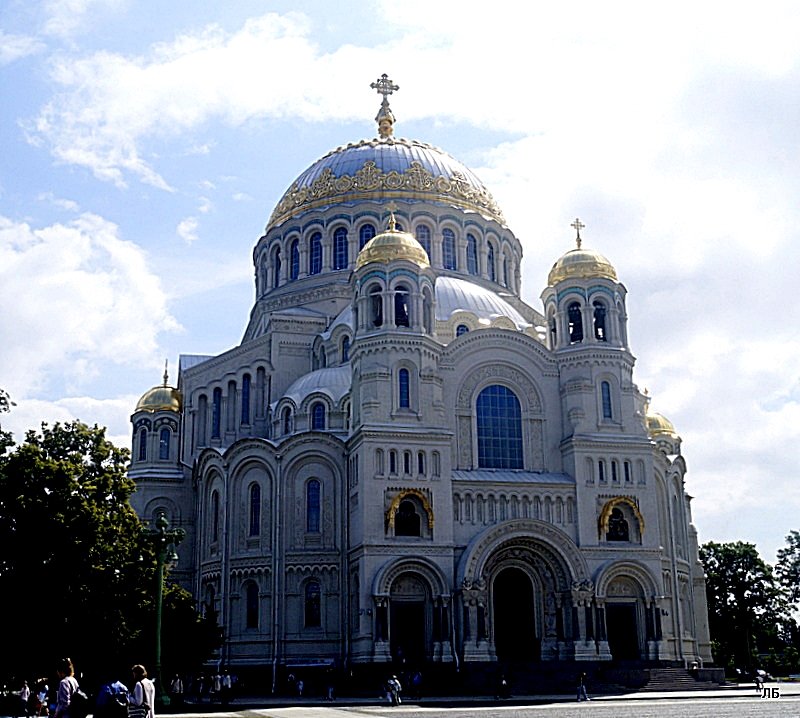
(409, 619)
(515, 633)
(624, 619)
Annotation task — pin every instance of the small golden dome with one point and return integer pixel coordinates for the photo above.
(161, 398)
(581, 263)
(391, 245)
(658, 425)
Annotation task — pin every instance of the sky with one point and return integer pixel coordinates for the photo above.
(144, 144)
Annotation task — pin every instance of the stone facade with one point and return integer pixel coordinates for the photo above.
(403, 461)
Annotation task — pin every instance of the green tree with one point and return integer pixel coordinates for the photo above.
(77, 575)
(788, 566)
(747, 607)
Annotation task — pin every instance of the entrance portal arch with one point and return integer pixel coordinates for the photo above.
(517, 611)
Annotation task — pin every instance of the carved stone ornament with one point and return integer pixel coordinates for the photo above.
(582, 592)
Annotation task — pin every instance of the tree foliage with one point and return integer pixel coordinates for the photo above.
(77, 574)
(788, 566)
(748, 610)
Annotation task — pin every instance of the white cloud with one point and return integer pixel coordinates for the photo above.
(14, 47)
(75, 296)
(187, 229)
(113, 414)
(63, 18)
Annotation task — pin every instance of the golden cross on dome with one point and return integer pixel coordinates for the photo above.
(578, 225)
(384, 86)
(384, 118)
(166, 372)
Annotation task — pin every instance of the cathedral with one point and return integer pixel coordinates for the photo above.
(403, 463)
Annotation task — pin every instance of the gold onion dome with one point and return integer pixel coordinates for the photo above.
(392, 245)
(581, 263)
(659, 425)
(160, 398)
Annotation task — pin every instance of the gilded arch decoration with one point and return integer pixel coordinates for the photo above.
(416, 493)
(605, 513)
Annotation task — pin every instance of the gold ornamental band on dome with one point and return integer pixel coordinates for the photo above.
(370, 182)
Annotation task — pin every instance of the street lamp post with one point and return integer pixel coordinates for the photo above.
(165, 540)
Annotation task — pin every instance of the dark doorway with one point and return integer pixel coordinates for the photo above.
(515, 636)
(623, 631)
(408, 631)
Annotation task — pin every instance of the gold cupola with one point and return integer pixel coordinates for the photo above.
(659, 425)
(161, 398)
(581, 263)
(392, 245)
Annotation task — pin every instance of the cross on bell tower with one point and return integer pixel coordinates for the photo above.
(578, 225)
(385, 119)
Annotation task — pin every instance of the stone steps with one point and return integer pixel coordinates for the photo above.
(675, 679)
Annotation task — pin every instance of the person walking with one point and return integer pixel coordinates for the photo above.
(176, 690)
(393, 688)
(25, 699)
(67, 685)
(582, 695)
(144, 692)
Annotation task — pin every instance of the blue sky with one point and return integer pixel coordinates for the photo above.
(144, 145)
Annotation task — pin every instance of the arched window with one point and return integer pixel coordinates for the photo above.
(246, 399)
(406, 462)
(403, 381)
(345, 349)
(427, 311)
(376, 306)
(315, 254)
(423, 233)
(294, 259)
(163, 443)
(618, 529)
(251, 599)
(323, 358)
(402, 307)
(340, 248)
(276, 267)
(499, 421)
(472, 254)
(379, 468)
(575, 320)
(216, 413)
(605, 393)
(600, 322)
(505, 272)
(143, 445)
(230, 405)
(366, 233)
(392, 461)
(601, 471)
(626, 466)
(255, 510)
(215, 516)
(406, 519)
(312, 506)
(202, 419)
(318, 416)
(287, 420)
(421, 463)
(490, 268)
(448, 249)
(461, 329)
(312, 613)
(553, 326)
